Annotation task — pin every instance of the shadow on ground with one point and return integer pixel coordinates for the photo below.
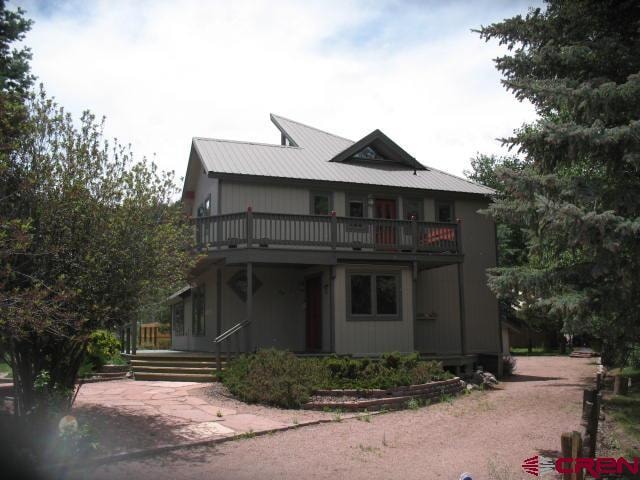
(116, 430)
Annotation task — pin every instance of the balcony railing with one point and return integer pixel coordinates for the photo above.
(254, 229)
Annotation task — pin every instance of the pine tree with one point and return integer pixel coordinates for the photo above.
(578, 63)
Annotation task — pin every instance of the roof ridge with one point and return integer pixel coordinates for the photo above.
(246, 142)
(312, 128)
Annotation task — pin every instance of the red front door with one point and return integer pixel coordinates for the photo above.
(386, 232)
(314, 313)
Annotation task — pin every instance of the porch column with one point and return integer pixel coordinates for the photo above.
(463, 335)
(249, 306)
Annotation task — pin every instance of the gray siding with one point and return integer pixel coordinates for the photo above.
(372, 337)
(437, 297)
(236, 197)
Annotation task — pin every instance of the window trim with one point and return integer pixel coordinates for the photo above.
(197, 292)
(375, 316)
(318, 193)
(451, 206)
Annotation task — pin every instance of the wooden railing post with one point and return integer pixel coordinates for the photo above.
(414, 232)
(249, 226)
(459, 235)
(218, 221)
(334, 230)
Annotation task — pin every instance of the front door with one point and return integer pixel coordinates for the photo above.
(314, 313)
(385, 233)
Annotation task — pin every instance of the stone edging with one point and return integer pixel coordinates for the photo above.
(392, 398)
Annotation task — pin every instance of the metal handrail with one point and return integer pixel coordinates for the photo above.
(236, 328)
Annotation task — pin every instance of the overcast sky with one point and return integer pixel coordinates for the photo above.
(165, 71)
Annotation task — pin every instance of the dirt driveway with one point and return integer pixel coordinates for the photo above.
(487, 434)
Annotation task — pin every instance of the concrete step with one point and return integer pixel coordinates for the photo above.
(176, 377)
(174, 364)
(172, 370)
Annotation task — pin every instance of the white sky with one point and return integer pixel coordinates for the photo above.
(165, 71)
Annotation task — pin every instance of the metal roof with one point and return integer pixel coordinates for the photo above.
(308, 158)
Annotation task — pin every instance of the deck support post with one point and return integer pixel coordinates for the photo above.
(249, 305)
(134, 336)
(463, 339)
(414, 299)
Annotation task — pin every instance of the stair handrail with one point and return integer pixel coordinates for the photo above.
(225, 336)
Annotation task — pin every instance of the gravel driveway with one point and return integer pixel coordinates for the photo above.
(487, 433)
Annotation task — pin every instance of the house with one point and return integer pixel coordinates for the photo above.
(321, 244)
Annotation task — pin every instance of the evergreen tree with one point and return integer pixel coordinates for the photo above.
(578, 63)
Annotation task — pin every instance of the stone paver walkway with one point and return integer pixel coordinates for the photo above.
(157, 413)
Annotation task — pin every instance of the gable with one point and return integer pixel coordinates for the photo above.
(378, 148)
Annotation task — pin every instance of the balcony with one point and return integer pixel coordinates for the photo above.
(348, 237)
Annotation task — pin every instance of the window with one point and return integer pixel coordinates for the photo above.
(368, 153)
(374, 296)
(204, 209)
(177, 318)
(444, 212)
(356, 208)
(197, 320)
(412, 208)
(320, 203)
(386, 295)
(361, 295)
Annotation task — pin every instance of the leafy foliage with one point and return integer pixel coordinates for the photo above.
(102, 347)
(280, 378)
(579, 201)
(89, 238)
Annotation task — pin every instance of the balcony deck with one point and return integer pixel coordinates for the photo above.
(325, 239)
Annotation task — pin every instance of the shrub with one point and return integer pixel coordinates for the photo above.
(509, 365)
(274, 377)
(103, 346)
(280, 378)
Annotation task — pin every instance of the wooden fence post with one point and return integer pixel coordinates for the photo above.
(571, 445)
(620, 385)
(591, 401)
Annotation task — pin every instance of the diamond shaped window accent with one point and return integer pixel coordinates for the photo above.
(238, 283)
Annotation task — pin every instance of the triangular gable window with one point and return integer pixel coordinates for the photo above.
(368, 153)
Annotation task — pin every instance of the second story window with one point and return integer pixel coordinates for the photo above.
(444, 212)
(412, 208)
(320, 203)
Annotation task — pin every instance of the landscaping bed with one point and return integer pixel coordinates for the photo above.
(280, 378)
(378, 399)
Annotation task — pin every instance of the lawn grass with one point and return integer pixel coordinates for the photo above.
(626, 413)
(4, 368)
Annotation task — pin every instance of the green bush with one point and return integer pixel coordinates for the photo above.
(273, 377)
(280, 378)
(102, 348)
